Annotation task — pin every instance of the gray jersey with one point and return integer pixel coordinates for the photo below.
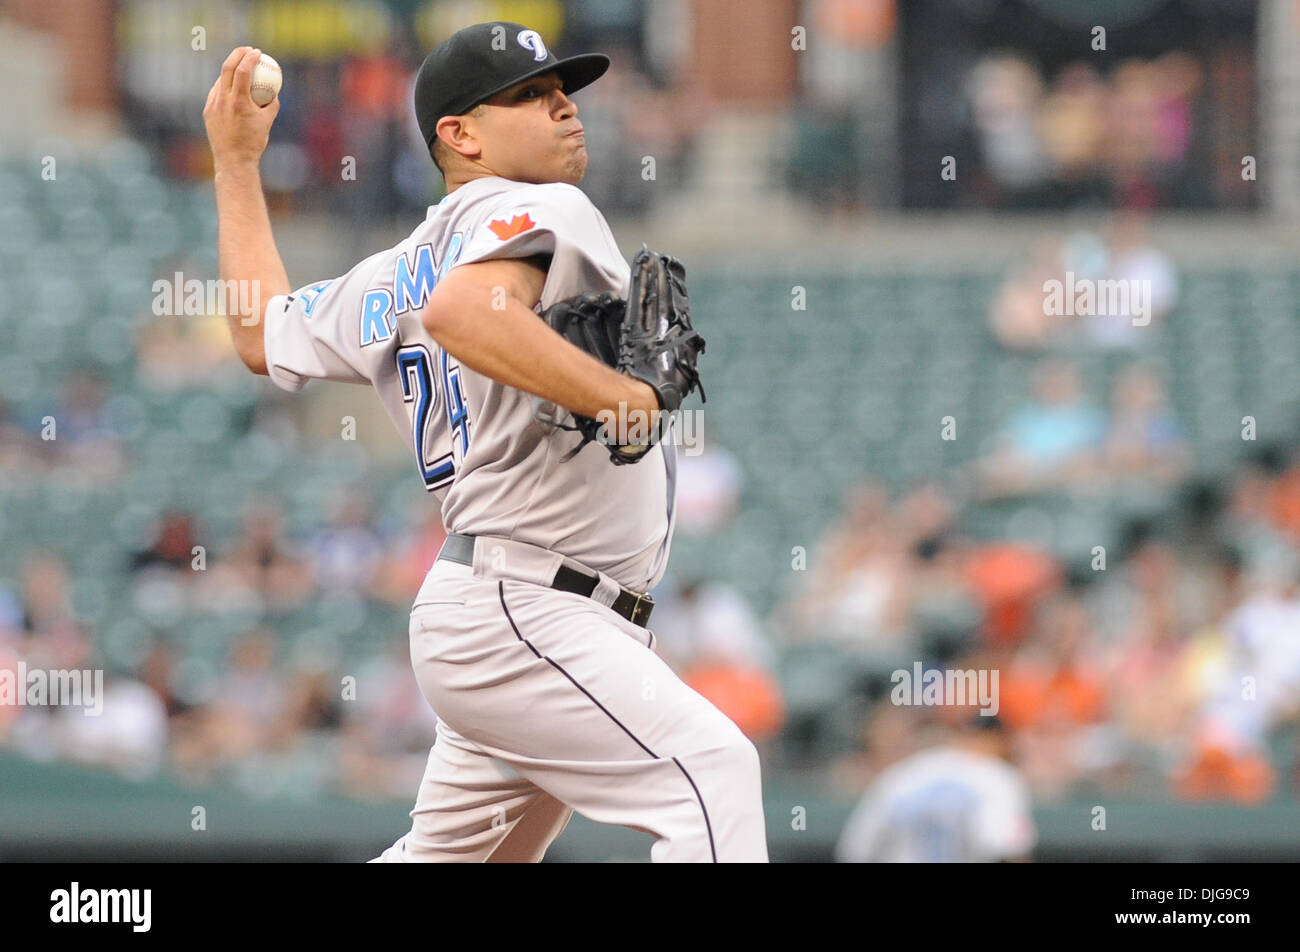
(478, 447)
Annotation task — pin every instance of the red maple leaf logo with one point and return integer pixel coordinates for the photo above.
(517, 225)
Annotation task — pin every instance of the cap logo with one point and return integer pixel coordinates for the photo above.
(532, 40)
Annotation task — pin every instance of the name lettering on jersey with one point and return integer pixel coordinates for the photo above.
(515, 226)
(376, 316)
(413, 282)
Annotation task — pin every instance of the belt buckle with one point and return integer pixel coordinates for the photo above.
(636, 616)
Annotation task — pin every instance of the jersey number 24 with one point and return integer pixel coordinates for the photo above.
(415, 368)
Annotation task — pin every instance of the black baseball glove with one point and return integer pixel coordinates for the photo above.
(649, 337)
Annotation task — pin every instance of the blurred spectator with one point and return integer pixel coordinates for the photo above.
(87, 442)
(889, 581)
(945, 607)
(853, 34)
(711, 637)
(1154, 591)
(1150, 125)
(1249, 523)
(842, 144)
(346, 554)
(50, 639)
(1148, 274)
(1053, 440)
(387, 730)
(1153, 697)
(411, 555)
(1018, 315)
(184, 351)
(709, 486)
(1056, 676)
(1052, 694)
(129, 736)
(854, 592)
(1258, 689)
(372, 90)
(261, 570)
(172, 549)
(1144, 439)
(629, 119)
(165, 571)
(1073, 126)
(1105, 292)
(313, 702)
(158, 672)
(1006, 94)
(707, 619)
(1127, 133)
(246, 714)
(957, 801)
(252, 686)
(322, 126)
(46, 594)
(175, 353)
(888, 733)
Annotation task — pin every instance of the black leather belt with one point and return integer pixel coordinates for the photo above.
(635, 608)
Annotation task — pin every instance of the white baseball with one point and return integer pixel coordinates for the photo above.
(266, 80)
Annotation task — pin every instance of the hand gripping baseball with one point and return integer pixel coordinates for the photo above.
(238, 128)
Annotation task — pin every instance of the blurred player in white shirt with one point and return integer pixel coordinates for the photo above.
(957, 802)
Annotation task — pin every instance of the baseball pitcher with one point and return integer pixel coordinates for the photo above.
(535, 378)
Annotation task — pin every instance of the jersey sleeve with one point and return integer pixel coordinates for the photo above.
(313, 333)
(557, 220)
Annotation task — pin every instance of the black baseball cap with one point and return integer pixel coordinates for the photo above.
(479, 61)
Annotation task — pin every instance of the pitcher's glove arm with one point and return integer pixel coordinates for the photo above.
(649, 336)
